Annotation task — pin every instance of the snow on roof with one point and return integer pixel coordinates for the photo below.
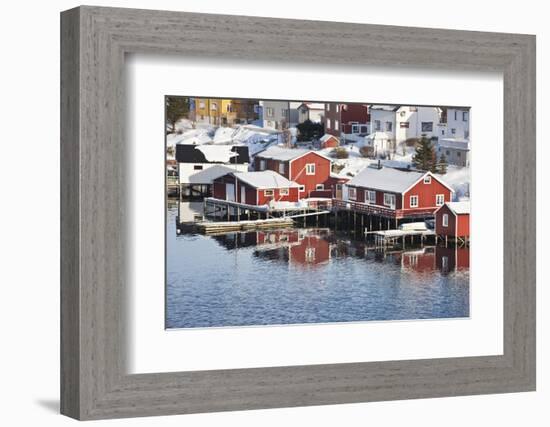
(459, 207)
(385, 179)
(265, 179)
(456, 143)
(217, 153)
(283, 154)
(385, 107)
(314, 105)
(206, 176)
(326, 137)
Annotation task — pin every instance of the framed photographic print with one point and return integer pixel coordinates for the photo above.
(297, 213)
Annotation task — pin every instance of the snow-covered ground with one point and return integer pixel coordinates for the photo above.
(457, 178)
(258, 139)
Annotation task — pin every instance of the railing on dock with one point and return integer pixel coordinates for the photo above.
(386, 212)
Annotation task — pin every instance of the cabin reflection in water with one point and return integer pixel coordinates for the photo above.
(312, 247)
(297, 246)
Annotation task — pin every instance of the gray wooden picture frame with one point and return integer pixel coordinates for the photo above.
(94, 41)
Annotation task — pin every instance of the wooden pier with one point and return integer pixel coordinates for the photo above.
(208, 227)
(394, 237)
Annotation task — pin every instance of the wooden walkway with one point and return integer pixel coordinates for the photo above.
(392, 237)
(207, 227)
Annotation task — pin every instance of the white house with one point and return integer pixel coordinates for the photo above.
(313, 111)
(378, 144)
(404, 122)
(200, 165)
(414, 122)
(382, 119)
(457, 123)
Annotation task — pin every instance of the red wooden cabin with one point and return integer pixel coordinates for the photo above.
(395, 193)
(453, 220)
(309, 169)
(329, 141)
(255, 188)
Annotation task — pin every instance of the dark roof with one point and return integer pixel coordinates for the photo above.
(187, 153)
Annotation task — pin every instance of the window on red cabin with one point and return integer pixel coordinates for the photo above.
(310, 169)
(370, 197)
(320, 187)
(427, 179)
(445, 220)
(414, 201)
(439, 199)
(268, 193)
(283, 191)
(281, 168)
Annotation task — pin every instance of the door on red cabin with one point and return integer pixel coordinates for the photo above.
(338, 192)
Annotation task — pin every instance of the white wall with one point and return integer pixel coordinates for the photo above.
(415, 118)
(30, 219)
(461, 127)
(384, 116)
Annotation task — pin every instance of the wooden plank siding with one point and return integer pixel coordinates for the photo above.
(253, 196)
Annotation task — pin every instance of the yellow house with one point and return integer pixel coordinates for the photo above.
(215, 111)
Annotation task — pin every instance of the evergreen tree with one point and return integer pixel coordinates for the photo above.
(442, 164)
(424, 156)
(177, 107)
(309, 130)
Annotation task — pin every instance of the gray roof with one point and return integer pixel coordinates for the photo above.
(285, 154)
(265, 179)
(386, 179)
(454, 143)
(459, 207)
(207, 175)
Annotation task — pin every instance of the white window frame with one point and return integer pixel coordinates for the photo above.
(439, 199)
(263, 164)
(352, 193)
(310, 169)
(284, 192)
(302, 188)
(427, 179)
(377, 125)
(387, 197)
(337, 108)
(445, 220)
(370, 197)
(389, 126)
(282, 168)
(336, 125)
(269, 192)
(319, 187)
(328, 123)
(415, 198)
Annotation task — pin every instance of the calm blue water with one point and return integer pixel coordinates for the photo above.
(306, 276)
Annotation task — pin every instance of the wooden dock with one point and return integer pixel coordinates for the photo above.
(393, 237)
(208, 227)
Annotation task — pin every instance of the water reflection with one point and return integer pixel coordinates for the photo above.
(315, 246)
(314, 275)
